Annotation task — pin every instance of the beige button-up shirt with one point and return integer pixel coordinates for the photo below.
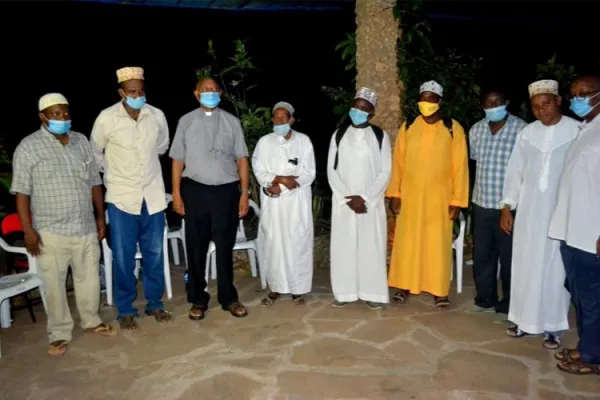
(127, 152)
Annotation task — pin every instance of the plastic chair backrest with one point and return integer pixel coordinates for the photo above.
(241, 233)
(11, 224)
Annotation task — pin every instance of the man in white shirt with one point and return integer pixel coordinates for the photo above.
(539, 301)
(127, 139)
(576, 223)
(358, 169)
(284, 165)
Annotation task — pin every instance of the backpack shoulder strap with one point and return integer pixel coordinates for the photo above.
(448, 123)
(339, 134)
(378, 134)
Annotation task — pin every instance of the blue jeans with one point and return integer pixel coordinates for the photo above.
(126, 231)
(583, 281)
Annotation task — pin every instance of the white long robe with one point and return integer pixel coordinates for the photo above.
(539, 301)
(359, 241)
(286, 232)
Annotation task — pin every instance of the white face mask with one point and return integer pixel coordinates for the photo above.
(281, 130)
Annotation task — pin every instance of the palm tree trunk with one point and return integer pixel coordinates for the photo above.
(377, 33)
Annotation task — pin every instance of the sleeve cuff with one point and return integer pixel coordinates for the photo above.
(508, 202)
(456, 203)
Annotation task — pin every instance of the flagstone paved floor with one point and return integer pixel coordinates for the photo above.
(287, 353)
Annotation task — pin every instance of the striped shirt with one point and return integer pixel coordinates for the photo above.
(59, 181)
(209, 144)
(492, 152)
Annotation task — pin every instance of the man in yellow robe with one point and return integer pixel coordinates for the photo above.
(429, 185)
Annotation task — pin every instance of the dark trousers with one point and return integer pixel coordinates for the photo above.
(583, 281)
(211, 214)
(490, 244)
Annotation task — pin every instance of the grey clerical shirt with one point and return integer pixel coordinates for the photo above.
(209, 144)
(59, 181)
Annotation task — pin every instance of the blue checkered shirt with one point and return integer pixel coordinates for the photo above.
(492, 152)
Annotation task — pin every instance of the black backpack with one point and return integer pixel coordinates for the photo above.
(339, 134)
(447, 123)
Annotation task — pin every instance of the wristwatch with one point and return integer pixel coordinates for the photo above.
(505, 205)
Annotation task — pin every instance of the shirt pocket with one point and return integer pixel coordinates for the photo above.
(224, 144)
(47, 169)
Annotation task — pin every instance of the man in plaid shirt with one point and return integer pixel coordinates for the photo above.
(58, 186)
(491, 143)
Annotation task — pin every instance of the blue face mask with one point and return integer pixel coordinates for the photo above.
(358, 117)
(281, 130)
(210, 99)
(581, 105)
(495, 114)
(136, 103)
(58, 127)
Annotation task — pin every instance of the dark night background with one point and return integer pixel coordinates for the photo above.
(74, 48)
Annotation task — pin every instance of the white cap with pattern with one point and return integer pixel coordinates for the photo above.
(433, 87)
(546, 86)
(368, 95)
(285, 106)
(130, 73)
(51, 99)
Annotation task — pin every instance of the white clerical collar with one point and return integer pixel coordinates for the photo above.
(210, 113)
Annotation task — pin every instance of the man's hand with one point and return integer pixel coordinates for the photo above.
(506, 221)
(33, 242)
(395, 204)
(178, 205)
(288, 181)
(357, 204)
(244, 204)
(453, 212)
(101, 228)
(274, 189)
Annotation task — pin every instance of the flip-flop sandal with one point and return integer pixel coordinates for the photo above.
(400, 296)
(299, 301)
(577, 367)
(128, 323)
(197, 313)
(568, 355)
(269, 300)
(235, 308)
(58, 348)
(441, 303)
(515, 332)
(161, 316)
(103, 330)
(551, 342)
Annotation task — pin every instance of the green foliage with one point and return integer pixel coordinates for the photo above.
(418, 63)
(551, 69)
(234, 81)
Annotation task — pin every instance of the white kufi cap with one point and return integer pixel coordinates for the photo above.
(285, 106)
(130, 73)
(547, 86)
(368, 95)
(51, 99)
(433, 87)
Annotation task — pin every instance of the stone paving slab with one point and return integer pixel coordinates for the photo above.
(287, 353)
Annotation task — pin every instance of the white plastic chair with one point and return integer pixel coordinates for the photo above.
(13, 285)
(108, 257)
(459, 247)
(175, 235)
(241, 243)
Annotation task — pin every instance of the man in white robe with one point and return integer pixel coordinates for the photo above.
(284, 166)
(539, 301)
(358, 170)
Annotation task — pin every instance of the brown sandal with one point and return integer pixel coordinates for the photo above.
(441, 303)
(567, 355)
(236, 309)
(128, 323)
(197, 313)
(58, 348)
(578, 367)
(269, 300)
(299, 301)
(161, 316)
(102, 330)
(401, 296)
